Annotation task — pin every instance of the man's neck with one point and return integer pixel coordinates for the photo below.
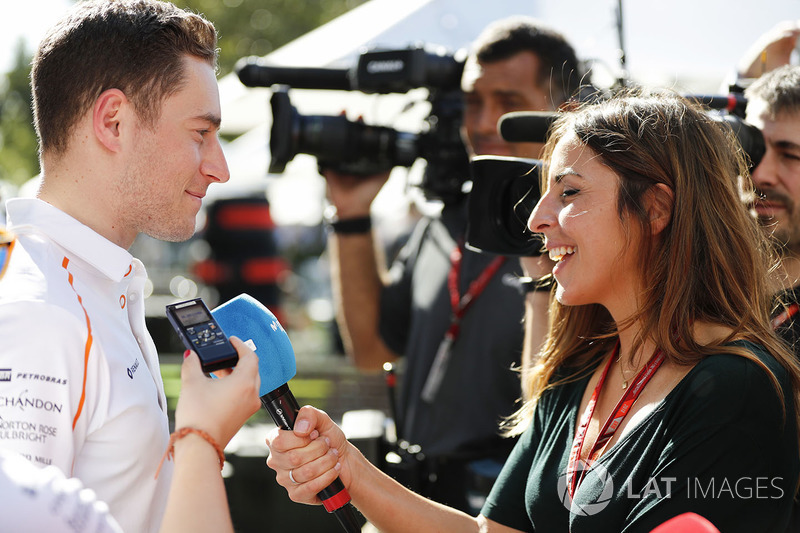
(87, 205)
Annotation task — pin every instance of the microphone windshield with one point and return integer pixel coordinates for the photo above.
(526, 126)
(246, 318)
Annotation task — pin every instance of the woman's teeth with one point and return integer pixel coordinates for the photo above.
(557, 254)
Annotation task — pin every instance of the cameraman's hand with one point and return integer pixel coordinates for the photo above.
(315, 452)
(219, 406)
(770, 51)
(536, 266)
(353, 195)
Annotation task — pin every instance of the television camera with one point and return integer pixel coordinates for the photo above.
(353, 147)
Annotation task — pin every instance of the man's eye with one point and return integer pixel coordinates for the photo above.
(512, 103)
(472, 102)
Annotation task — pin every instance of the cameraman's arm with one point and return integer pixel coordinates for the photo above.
(357, 271)
(536, 316)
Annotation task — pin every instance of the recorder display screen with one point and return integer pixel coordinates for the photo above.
(192, 314)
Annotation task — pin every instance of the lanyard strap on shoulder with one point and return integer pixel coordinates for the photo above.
(612, 423)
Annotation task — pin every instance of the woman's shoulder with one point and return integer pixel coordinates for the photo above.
(746, 374)
(743, 359)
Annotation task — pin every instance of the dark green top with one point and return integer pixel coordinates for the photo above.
(716, 446)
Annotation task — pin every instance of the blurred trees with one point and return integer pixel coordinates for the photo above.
(246, 27)
(18, 158)
(257, 27)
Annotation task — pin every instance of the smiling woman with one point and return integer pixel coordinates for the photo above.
(578, 215)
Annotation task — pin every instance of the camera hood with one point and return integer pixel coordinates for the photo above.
(504, 192)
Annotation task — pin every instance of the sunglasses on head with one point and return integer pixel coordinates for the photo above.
(6, 245)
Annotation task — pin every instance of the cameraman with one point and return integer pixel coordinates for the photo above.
(773, 97)
(773, 106)
(516, 64)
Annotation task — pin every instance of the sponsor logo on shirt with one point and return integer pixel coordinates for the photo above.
(26, 431)
(23, 402)
(133, 367)
(37, 459)
(37, 377)
(5, 374)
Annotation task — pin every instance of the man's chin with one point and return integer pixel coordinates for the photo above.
(172, 234)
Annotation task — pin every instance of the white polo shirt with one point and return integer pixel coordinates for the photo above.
(80, 386)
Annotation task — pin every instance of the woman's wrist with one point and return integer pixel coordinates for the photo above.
(187, 438)
(356, 468)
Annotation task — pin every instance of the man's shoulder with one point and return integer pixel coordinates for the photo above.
(36, 292)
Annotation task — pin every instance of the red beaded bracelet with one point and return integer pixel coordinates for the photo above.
(170, 453)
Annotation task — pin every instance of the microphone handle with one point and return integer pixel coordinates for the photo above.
(283, 408)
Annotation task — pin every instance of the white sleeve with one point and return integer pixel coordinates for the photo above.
(43, 365)
(35, 500)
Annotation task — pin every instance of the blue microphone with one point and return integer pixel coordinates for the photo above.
(246, 318)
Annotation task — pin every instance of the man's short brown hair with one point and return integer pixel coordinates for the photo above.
(560, 70)
(136, 46)
(779, 89)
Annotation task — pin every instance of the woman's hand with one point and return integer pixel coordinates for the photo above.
(219, 406)
(315, 453)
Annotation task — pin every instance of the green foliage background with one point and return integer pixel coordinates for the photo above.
(246, 27)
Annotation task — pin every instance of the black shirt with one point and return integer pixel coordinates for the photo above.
(480, 386)
(717, 445)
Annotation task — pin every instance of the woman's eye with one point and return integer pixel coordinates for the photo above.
(569, 192)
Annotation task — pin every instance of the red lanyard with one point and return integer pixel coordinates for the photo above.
(781, 318)
(612, 423)
(459, 305)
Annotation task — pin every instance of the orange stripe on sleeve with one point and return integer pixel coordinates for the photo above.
(87, 347)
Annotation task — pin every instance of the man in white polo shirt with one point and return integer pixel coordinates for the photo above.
(127, 110)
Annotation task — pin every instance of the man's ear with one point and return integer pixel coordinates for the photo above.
(106, 118)
(660, 200)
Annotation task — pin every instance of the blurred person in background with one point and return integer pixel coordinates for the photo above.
(774, 107)
(444, 308)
